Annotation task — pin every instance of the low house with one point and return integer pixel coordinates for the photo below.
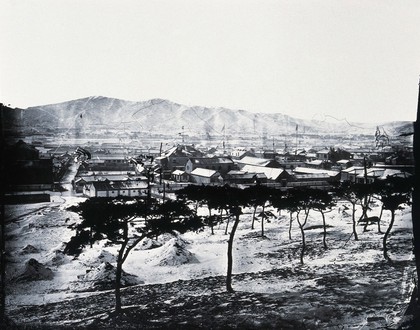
(316, 163)
(204, 176)
(180, 176)
(333, 175)
(344, 163)
(388, 172)
(370, 176)
(115, 189)
(25, 170)
(32, 175)
(296, 155)
(311, 180)
(240, 152)
(177, 157)
(119, 168)
(131, 188)
(84, 178)
(220, 164)
(99, 189)
(241, 177)
(351, 173)
(272, 174)
(255, 161)
(310, 156)
(323, 154)
(270, 154)
(79, 184)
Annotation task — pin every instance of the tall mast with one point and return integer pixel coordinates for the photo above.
(224, 138)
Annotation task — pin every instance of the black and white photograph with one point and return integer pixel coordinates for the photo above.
(208, 164)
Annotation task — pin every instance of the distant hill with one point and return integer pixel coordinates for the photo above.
(169, 118)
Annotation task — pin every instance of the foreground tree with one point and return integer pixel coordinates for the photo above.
(224, 197)
(236, 211)
(126, 222)
(299, 199)
(393, 192)
(258, 196)
(235, 199)
(211, 196)
(232, 199)
(353, 193)
(285, 201)
(322, 202)
(280, 202)
(192, 194)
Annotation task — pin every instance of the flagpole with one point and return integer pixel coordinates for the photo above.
(224, 138)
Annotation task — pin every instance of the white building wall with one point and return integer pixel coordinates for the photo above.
(112, 193)
(100, 193)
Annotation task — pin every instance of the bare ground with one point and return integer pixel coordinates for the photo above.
(347, 286)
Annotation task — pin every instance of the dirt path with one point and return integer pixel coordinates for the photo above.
(339, 298)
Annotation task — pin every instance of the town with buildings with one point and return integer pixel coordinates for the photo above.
(110, 170)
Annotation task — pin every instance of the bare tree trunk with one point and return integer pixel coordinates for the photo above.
(387, 234)
(290, 226)
(365, 207)
(220, 216)
(211, 222)
(379, 220)
(301, 225)
(229, 254)
(227, 225)
(356, 238)
(325, 231)
(253, 217)
(118, 284)
(262, 221)
(262, 226)
(118, 274)
(90, 237)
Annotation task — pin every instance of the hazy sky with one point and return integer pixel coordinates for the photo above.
(353, 59)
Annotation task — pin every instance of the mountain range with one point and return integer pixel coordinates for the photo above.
(160, 116)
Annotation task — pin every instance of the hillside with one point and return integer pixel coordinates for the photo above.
(347, 285)
(166, 117)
